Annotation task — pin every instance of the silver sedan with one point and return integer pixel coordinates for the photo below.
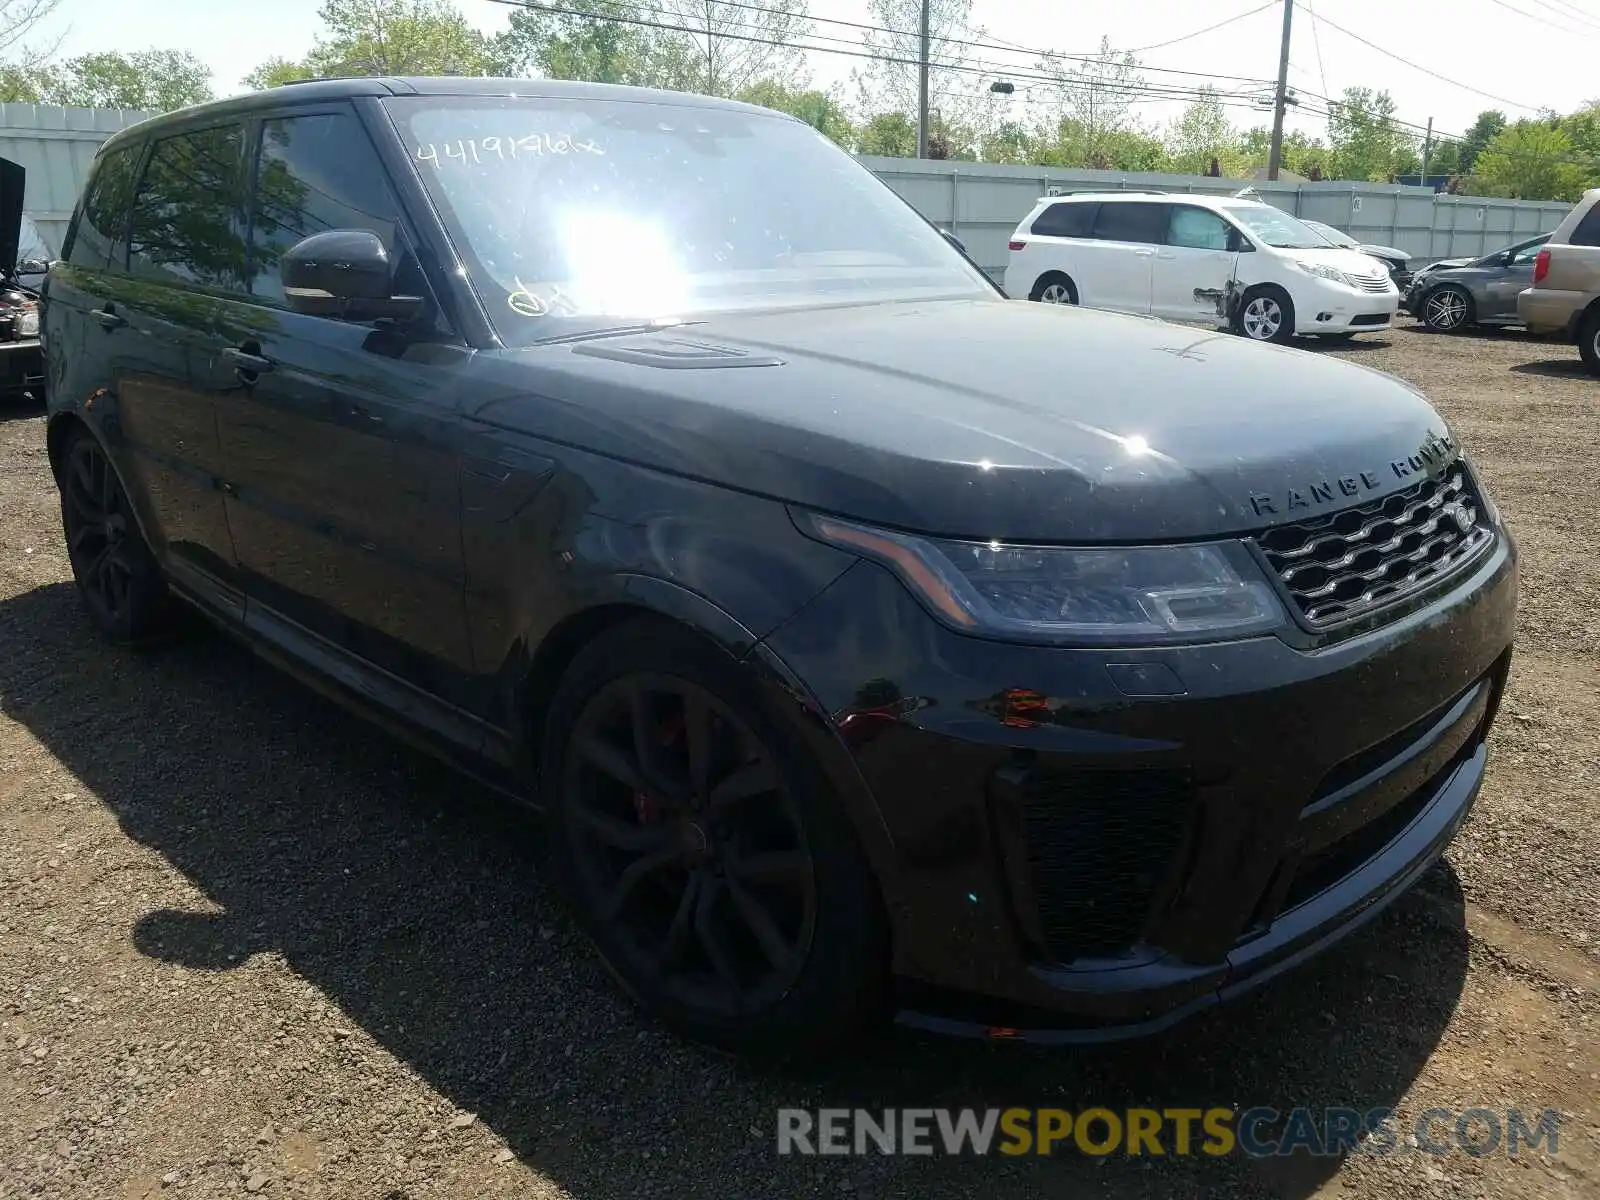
(1459, 292)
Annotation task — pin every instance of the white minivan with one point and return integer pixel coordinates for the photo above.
(1197, 258)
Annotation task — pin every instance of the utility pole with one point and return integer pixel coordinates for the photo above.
(1427, 145)
(922, 87)
(1275, 155)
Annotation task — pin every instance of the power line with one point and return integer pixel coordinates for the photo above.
(1201, 32)
(1317, 42)
(1466, 87)
(1542, 20)
(1575, 14)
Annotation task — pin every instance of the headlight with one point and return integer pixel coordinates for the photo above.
(28, 323)
(1115, 594)
(1324, 271)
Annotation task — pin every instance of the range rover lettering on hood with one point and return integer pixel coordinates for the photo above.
(1436, 451)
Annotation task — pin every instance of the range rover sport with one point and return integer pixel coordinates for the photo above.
(872, 642)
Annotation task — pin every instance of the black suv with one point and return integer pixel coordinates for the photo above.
(874, 643)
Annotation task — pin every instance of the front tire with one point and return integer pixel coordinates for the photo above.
(118, 578)
(1589, 341)
(702, 850)
(1266, 314)
(1447, 309)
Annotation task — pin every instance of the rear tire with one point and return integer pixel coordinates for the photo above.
(118, 578)
(1054, 287)
(1589, 341)
(1265, 314)
(701, 848)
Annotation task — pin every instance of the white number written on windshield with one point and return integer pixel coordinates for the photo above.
(503, 149)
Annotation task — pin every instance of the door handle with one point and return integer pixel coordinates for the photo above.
(1167, 254)
(247, 363)
(109, 317)
(1144, 253)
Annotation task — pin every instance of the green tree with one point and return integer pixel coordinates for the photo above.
(1365, 140)
(888, 82)
(1484, 130)
(766, 48)
(888, 134)
(154, 80)
(1445, 158)
(1203, 132)
(1010, 142)
(1092, 102)
(591, 44)
(1530, 160)
(23, 84)
(820, 110)
(385, 37)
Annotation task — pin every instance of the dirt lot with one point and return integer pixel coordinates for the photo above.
(250, 945)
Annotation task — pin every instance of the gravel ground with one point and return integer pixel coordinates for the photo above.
(250, 945)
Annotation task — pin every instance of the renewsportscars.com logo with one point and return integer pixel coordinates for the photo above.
(1255, 1132)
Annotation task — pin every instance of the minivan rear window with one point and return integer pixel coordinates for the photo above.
(1068, 219)
(1131, 221)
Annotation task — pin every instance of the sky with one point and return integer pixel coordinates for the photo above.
(1529, 54)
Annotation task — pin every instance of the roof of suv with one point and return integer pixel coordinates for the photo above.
(312, 91)
(1204, 200)
(1569, 223)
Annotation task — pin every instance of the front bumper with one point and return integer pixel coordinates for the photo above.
(21, 365)
(1327, 307)
(1087, 844)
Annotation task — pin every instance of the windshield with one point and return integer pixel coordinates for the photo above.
(1332, 235)
(568, 211)
(1276, 227)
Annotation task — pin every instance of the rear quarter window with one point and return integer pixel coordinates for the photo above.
(1068, 220)
(1588, 231)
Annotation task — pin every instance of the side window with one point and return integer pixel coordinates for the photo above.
(186, 226)
(103, 219)
(1588, 231)
(1528, 253)
(316, 173)
(1131, 221)
(1196, 229)
(1070, 220)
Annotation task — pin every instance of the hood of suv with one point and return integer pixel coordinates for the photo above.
(980, 418)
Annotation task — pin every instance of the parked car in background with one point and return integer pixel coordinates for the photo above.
(1197, 258)
(1564, 297)
(21, 356)
(1458, 293)
(871, 641)
(1397, 261)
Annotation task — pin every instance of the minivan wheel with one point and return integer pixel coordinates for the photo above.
(1054, 288)
(1265, 314)
(120, 582)
(1589, 341)
(701, 849)
(1447, 309)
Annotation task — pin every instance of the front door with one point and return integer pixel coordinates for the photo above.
(1506, 283)
(1193, 268)
(343, 483)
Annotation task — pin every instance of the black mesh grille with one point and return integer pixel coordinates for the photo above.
(1103, 846)
(1346, 563)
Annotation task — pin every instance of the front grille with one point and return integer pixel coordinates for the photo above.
(1341, 565)
(1103, 847)
(1370, 319)
(1371, 283)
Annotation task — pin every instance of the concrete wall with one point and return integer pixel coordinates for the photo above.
(981, 204)
(56, 145)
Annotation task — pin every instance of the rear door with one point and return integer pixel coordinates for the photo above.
(1192, 269)
(156, 330)
(1050, 244)
(1115, 265)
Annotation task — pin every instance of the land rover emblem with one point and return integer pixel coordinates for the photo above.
(1464, 517)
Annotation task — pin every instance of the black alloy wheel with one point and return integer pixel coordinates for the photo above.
(702, 850)
(688, 842)
(117, 576)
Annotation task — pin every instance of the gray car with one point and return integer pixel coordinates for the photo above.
(1398, 261)
(1455, 293)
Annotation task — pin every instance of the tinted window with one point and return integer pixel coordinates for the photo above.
(1588, 231)
(315, 173)
(186, 225)
(1065, 220)
(1197, 229)
(1130, 221)
(103, 221)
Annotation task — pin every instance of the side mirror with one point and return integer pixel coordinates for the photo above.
(954, 241)
(343, 273)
